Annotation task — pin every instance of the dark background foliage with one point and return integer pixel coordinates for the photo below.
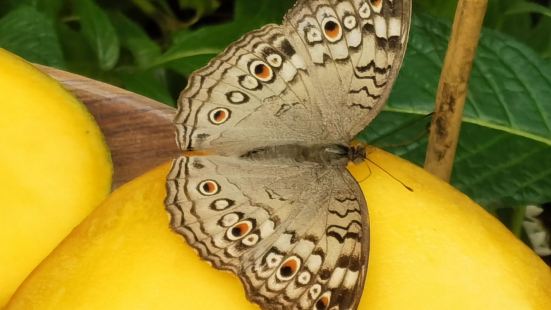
(132, 43)
(151, 46)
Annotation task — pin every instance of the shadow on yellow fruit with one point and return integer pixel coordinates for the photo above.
(432, 248)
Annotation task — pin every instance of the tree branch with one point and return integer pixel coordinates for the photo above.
(452, 90)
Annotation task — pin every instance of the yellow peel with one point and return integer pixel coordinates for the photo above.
(430, 249)
(54, 168)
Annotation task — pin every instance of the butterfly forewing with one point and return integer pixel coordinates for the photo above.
(263, 86)
(353, 50)
(284, 84)
(294, 230)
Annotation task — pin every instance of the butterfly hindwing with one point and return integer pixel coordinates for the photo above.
(296, 234)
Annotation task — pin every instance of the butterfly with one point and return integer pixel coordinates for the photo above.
(265, 128)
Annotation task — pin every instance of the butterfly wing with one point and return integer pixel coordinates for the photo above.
(295, 234)
(353, 50)
(321, 77)
(257, 88)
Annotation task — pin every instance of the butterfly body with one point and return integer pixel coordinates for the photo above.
(324, 154)
(270, 198)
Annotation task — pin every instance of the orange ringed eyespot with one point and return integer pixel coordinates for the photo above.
(332, 29)
(208, 187)
(262, 71)
(219, 116)
(289, 268)
(239, 230)
(376, 3)
(322, 303)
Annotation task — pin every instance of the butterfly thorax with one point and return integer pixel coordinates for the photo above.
(325, 154)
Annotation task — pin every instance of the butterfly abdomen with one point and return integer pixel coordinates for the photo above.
(328, 154)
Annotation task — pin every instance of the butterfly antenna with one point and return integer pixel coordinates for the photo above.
(418, 136)
(396, 179)
(369, 174)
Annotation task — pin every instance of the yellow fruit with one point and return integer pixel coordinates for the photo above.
(54, 168)
(431, 249)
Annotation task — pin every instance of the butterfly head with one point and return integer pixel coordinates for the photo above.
(357, 153)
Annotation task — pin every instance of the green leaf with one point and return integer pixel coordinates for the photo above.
(211, 40)
(187, 65)
(146, 6)
(78, 55)
(445, 9)
(148, 84)
(536, 35)
(99, 32)
(51, 8)
(528, 7)
(504, 153)
(202, 7)
(30, 34)
(135, 39)
(19, 3)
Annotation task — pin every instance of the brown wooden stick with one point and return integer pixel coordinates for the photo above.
(138, 130)
(452, 90)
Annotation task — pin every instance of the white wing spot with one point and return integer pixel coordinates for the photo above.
(251, 240)
(221, 204)
(350, 279)
(304, 277)
(249, 82)
(236, 97)
(337, 277)
(229, 219)
(394, 27)
(380, 27)
(315, 291)
(273, 260)
(267, 228)
(350, 22)
(365, 10)
(288, 72)
(313, 35)
(275, 60)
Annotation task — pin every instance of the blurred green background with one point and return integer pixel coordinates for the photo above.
(151, 46)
